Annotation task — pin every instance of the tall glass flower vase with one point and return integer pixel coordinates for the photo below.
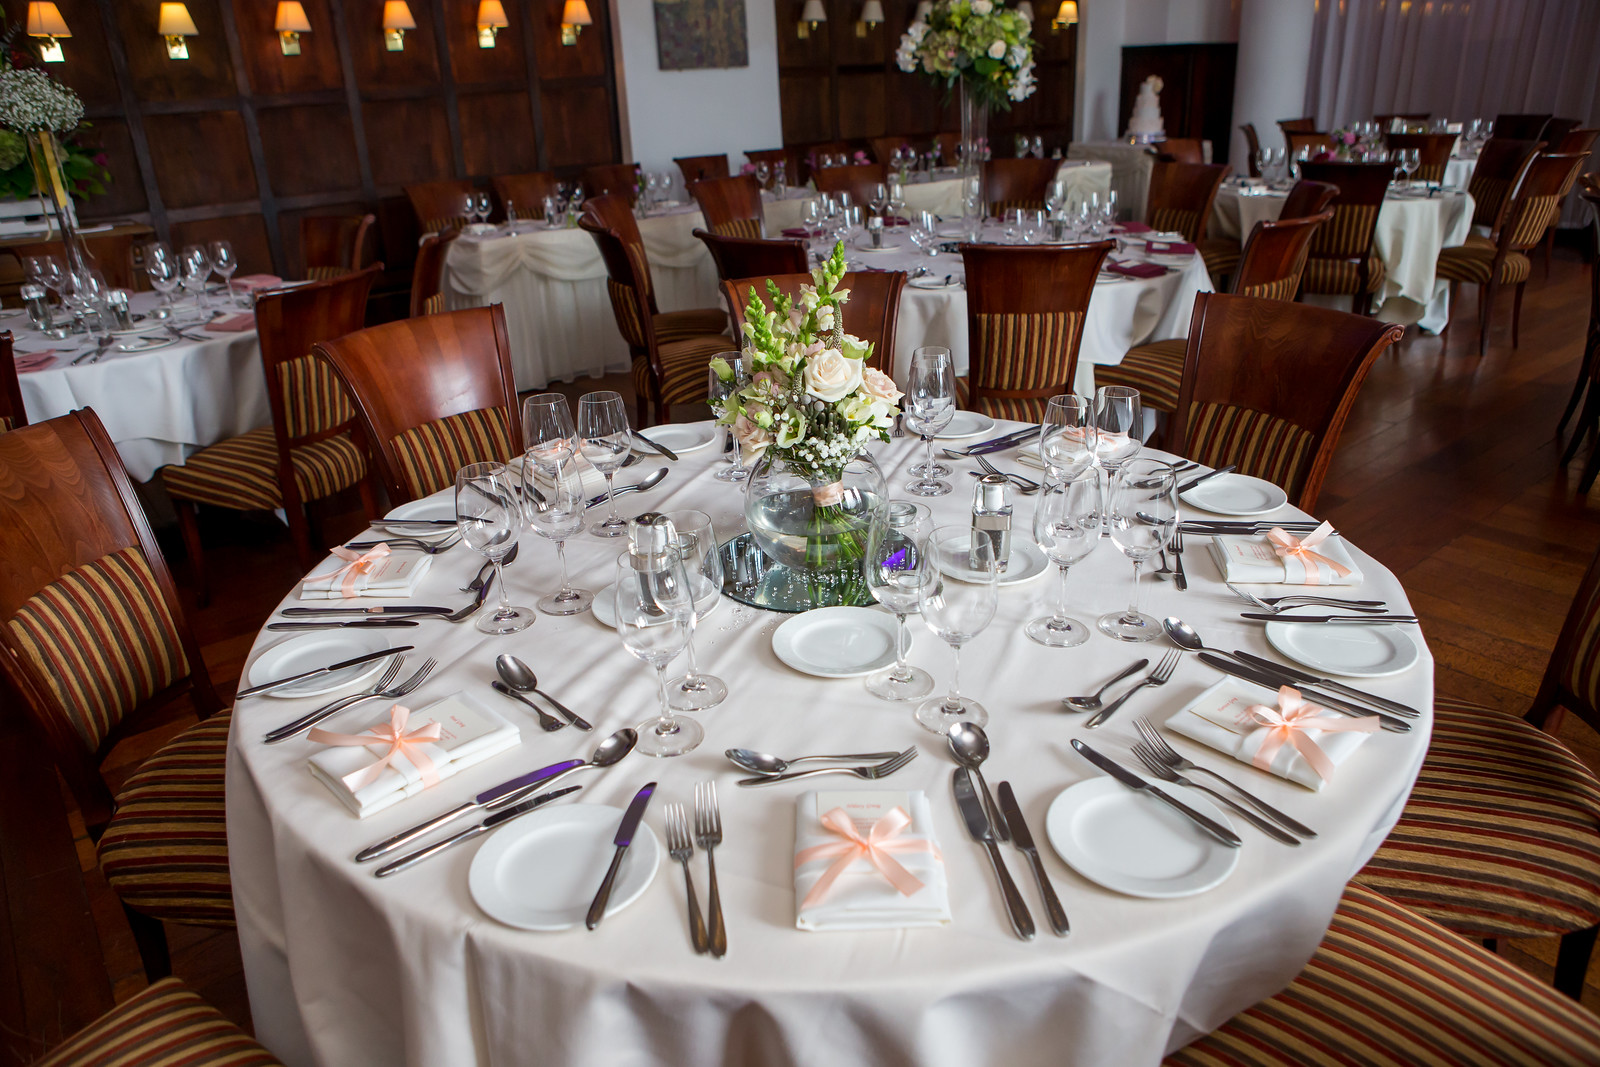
(44, 151)
(974, 144)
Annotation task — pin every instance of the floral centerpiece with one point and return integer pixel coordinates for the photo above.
(986, 48)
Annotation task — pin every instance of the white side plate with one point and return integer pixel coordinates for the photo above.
(1236, 494)
(681, 437)
(965, 424)
(1134, 844)
(429, 507)
(840, 642)
(1027, 562)
(310, 651)
(1353, 651)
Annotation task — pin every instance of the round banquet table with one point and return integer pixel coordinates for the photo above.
(346, 969)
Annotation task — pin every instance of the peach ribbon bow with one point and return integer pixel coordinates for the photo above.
(1293, 715)
(407, 746)
(1287, 546)
(876, 846)
(356, 564)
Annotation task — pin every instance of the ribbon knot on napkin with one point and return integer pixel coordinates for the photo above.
(402, 745)
(1288, 547)
(875, 847)
(356, 565)
(1287, 723)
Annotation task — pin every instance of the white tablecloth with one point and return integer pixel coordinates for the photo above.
(344, 969)
(158, 406)
(1130, 169)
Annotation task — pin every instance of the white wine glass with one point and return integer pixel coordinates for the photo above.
(702, 567)
(930, 405)
(1066, 526)
(548, 433)
(225, 263)
(893, 575)
(719, 389)
(1144, 513)
(196, 266)
(1118, 419)
(557, 517)
(489, 517)
(956, 609)
(605, 440)
(1066, 438)
(653, 610)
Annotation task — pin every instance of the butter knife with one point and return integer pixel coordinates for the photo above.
(1023, 839)
(499, 818)
(1330, 683)
(1272, 680)
(1192, 482)
(1134, 782)
(624, 838)
(661, 449)
(978, 826)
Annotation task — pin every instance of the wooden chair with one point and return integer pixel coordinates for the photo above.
(427, 273)
(1179, 201)
(883, 148)
(1270, 268)
(119, 257)
(1180, 150)
(858, 179)
(1252, 147)
(1591, 348)
(1386, 121)
(1268, 385)
(612, 179)
(1573, 142)
(433, 393)
(13, 412)
(773, 158)
(440, 205)
(1520, 127)
(310, 451)
(699, 168)
(1025, 309)
(1502, 258)
(1222, 254)
(334, 245)
(741, 257)
(95, 647)
(1307, 198)
(1312, 142)
(1018, 183)
(731, 206)
(1304, 125)
(153, 1026)
(1342, 258)
(1433, 151)
(871, 313)
(522, 196)
(1500, 167)
(1557, 128)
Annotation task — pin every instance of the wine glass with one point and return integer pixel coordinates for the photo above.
(717, 393)
(923, 234)
(1117, 418)
(780, 181)
(763, 172)
(702, 568)
(489, 517)
(893, 576)
(1067, 438)
(604, 440)
(1013, 225)
(1066, 525)
(1410, 162)
(558, 516)
(653, 609)
(1144, 513)
(1022, 146)
(548, 434)
(1032, 223)
(196, 265)
(225, 263)
(1038, 145)
(46, 271)
(956, 609)
(930, 405)
(165, 275)
(483, 205)
(880, 198)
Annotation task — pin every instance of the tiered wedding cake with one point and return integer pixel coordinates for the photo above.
(1145, 125)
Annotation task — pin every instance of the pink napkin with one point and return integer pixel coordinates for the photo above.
(895, 220)
(1131, 227)
(252, 282)
(235, 324)
(1136, 270)
(800, 231)
(27, 361)
(1169, 248)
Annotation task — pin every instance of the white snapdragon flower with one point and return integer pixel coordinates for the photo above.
(825, 317)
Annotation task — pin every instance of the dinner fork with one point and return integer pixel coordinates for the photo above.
(681, 848)
(1173, 758)
(1157, 677)
(1283, 603)
(405, 688)
(1027, 485)
(708, 835)
(879, 770)
(1167, 773)
(443, 544)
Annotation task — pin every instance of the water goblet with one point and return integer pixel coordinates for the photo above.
(1013, 225)
(653, 610)
(605, 440)
(880, 198)
(1143, 509)
(1030, 226)
(1067, 438)
(930, 405)
(558, 517)
(489, 517)
(1066, 526)
(483, 206)
(196, 266)
(763, 173)
(548, 434)
(225, 263)
(1038, 145)
(957, 599)
(165, 275)
(893, 576)
(702, 568)
(718, 391)
(38, 306)
(1117, 418)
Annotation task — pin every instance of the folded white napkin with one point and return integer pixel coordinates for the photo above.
(1218, 718)
(862, 897)
(469, 733)
(394, 575)
(1251, 559)
(592, 481)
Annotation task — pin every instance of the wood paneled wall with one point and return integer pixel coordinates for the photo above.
(1197, 90)
(239, 141)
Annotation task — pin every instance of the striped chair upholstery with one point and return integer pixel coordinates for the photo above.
(683, 370)
(1261, 445)
(1177, 220)
(1473, 262)
(673, 326)
(242, 472)
(1489, 195)
(429, 455)
(1336, 248)
(749, 229)
(102, 639)
(1155, 369)
(5, 423)
(1280, 289)
(1342, 276)
(434, 305)
(1580, 675)
(326, 274)
(1221, 256)
(164, 1025)
(1020, 360)
(629, 312)
(1389, 988)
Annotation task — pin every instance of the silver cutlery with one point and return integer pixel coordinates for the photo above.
(331, 624)
(421, 544)
(1192, 482)
(680, 846)
(1027, 485)
(1001, 443)
(980, 831)
(94, 354)
(1349, 691)
(519, 676)
(499, 818)
(1279, 601)
(414, 522)
(662, 450)
(305, 722)
(1207, 528)
(708, 835)
(1133, 781)
(623, 839)
(1179, 578)
(1157, 677)
(880, 770)
(548, 722)
(488, 569)
(1167, 773)
(1092, 701)
(1280, 604)
(1273, 680)
(483, 594)
(1161, 750)
(1164, 572)
(1022, 837)
(969, 744)
(1330, 620)
(383, 609)
(762, 763)
(366, 657)
(650, 481)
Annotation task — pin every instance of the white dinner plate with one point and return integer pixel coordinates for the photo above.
(1133, 843)
(310, 651)
(604, 606)
(681, 437)
(139, 328)
(863, 243)
(135, 345)
(1236, 494)
(541, 872)
(1353, 651)
(965, 424)
(429, 507)
(935, 281)
(1026, 563)
(841, 642)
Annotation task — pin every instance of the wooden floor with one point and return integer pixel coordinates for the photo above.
(1448, 473)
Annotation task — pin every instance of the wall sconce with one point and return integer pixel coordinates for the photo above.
(291, 23)
(45, 21)
(176, 25)
(574, 17)
(1066, 15)
(871, 15)
(396, 21)
(491, 20)
(811, 16)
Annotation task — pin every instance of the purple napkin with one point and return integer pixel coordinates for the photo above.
(1169, 248)
(1131, 227)
(1136, 270)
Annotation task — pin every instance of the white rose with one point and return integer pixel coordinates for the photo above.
(753, 440)
(880, 386)
(997, 50)
(831, 376)
(981, 7)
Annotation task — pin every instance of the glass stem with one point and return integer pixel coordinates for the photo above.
(1061, 603)
(504, 611)
(952, 702)
(927, 440)
(900, 671)
(664, 725)
(1133, 601)
(611, 496)
(693, 674)
(561, 554)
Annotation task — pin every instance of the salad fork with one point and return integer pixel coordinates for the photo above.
(1158, 747)
(405, 688)
(1167, 773)
(680, 846)
(1157, 677)
(880, 770)
(1283, 603)
(708, 835)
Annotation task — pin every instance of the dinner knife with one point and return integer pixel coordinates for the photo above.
(281, 682)
(1023, 839)
(624, 838)
(1133, 781)
(335, 624)
(978, 826)
(1330, 683)
(1192, 482)
(1329, 620)
(662, 449)
(1001, 444)
(385, 609)
(1272, 680)
(498, 796)
(499, 818)
(415, 522)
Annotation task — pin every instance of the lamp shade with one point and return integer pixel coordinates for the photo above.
(1067, 13)
(175, 22)
(397, 16)
(492, 13)
(44, 20)
(292, 17)
(576, 13)
(814, 12)
(872, 11)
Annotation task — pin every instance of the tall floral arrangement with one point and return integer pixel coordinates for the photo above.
(987, 47)
(34, 105)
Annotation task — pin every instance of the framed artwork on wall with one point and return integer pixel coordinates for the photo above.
(701, 34)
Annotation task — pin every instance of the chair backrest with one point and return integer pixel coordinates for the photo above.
(1181, 149)
(440, 205)
(434, 394)
(334, 245)
(1572, 677)
(627, 285)
(1304, 125)
(1590, 191)
(1537, 203)
(1268, 386)
(12, 411)
(427, 274)
(1018, 183)
(114, 256)
(742, 257)
(1275, 256)
(1252, 147)
(1362, 187)
(858, 179)
(1576, 140)
(815, 152)
(524, 194)
(1521, 127)
(92, 636)
(1501, 164)
(1312, 142)
(1433, 151)
(772, 157)
(730, 206)
(1025, 310)
(699, 168)
(1180, 197)
(1307, 198)
(871, 313)
(1558, 128)
(612, 179)
(612, 214)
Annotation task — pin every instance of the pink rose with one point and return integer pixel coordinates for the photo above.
(880, 386)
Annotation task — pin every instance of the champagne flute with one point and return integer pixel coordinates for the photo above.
(930, 405)
(469, 209)
(605, 440)
(890, 568)
(719, 390)
(1067, 438)
(702, 568)
(653, 611)
(225, 263)
(880, 198)
(1066, 525)
(1144, 513)
(489, 518)
(956, 609)
(548, 434)
(557, 517)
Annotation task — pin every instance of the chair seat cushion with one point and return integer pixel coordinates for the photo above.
(1474, 262)
(242, 472)
(1341, 276)
(695, 322)
(164, 1025)
(165, 851)
(1018, 408)
(1155, 369)
(684, 366)
(1389, 988)
(1501, 836)
(1221, 255)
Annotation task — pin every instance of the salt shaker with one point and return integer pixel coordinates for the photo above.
(991, 520)
(875, 230)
